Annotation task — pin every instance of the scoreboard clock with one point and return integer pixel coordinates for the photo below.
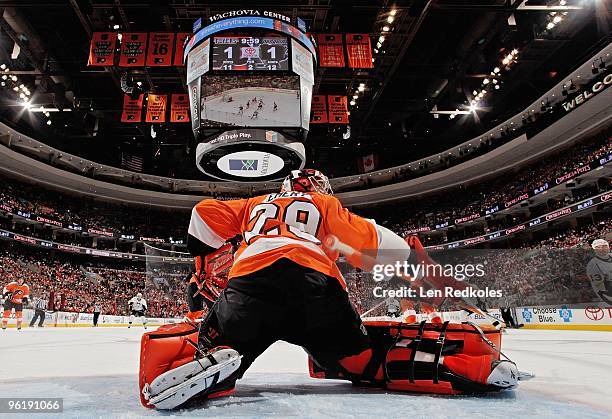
(235, 53)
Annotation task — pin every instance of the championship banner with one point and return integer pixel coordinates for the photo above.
(359, 50)
(179, 108)
(331, 51)
(156, 108)
(318, 114)
(179, 48)
(102, 49)
(160, 49)
(133, 49)
(132, 109)
(338, 109)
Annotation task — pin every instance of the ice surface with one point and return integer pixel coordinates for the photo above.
(95, 371)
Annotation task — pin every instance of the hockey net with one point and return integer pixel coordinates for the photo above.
(165, 273)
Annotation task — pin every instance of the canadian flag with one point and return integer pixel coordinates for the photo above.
(368, 163)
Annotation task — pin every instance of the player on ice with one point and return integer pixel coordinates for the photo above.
(255, 115)
(240, 110)
(284, 285)
(599, 270)
(16, 294)
(138, 306)
(275, 107)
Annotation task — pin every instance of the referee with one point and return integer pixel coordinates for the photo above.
(40, 305)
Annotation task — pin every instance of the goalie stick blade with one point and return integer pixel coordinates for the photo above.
(192, 385)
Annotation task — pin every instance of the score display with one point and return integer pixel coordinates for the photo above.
(248, 53)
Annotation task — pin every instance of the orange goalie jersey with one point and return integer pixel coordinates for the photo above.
(283, 225)
(16, 293)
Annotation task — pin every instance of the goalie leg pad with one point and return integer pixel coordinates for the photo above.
(430, 358)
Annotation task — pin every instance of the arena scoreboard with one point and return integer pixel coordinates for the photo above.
(236, 53)
(250, 75)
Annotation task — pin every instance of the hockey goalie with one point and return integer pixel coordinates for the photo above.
(283, 284)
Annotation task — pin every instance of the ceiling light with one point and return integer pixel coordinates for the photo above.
(562, 3)
(3, 84)
(119, 37)
(138, 83)
(475, 93)
(550, 25)
(378, 44)
(4, 77)
(385, 29)
(21, 95)
(27, 105)
(505, 61)
(14, 78)
(515, 51)
(49, 122)
(485, 81)
(497, 87)
(16, 88)
(21, 86)
(361, 88)
(115, 27)
(355, 96)
(390, 19)
(496, 70)
(393, 12)
(472, 108)
(6, 70)
(557, 19)
(352, 102)
(3, 66)
(381, 39)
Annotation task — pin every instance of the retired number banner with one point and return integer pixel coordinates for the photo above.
(132, 109)
(179, 48)
(160, 49)
(102, 49)
(179, 108)
(133, 49)
(359, 50)
(318, 114)
(331, 51)
(156, 108)
(338, 109)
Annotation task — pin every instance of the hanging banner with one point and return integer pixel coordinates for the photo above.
(102, 49)
(156, 108)
(160, 49)
(359, 50)
(367, 163)
(331, 51)
(133, 49)
(338, 109)
(179, 108)
(179, 48)
(318, 114)
(132, 109)
(194, 90)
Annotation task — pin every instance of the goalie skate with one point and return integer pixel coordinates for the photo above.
(175, 387)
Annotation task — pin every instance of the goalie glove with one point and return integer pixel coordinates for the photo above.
(212, 280)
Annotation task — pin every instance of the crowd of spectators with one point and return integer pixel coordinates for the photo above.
(547, 271)
(471, 199)
(74, 286)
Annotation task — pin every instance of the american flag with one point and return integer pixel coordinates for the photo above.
(131, 162)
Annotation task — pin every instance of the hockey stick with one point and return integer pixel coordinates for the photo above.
(334, 244)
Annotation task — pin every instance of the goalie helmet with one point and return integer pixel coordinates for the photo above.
(306, 180)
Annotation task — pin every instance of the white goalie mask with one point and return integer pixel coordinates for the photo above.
(307, 180)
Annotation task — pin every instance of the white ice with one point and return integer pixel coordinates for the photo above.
(95, 371)
(286, 114)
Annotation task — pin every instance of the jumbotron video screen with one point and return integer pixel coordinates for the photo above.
(235, 53)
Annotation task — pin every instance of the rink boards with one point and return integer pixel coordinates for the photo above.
(596, 317)
(66, 319)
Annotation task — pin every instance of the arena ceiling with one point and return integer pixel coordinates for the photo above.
(435, 54)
